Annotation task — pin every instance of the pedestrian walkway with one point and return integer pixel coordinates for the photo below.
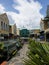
(18, 59)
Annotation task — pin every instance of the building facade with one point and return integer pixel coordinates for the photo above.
(34, 33)
(41, 25)
(44, 25)
(4, 25)
(12, 31)
(24, 33)
(18, 31)
(47, 12)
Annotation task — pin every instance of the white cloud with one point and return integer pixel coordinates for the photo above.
(29, 16)
(29, 13)
(2, 9)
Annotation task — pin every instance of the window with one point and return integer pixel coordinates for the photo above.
(48, 24)
(41, 26)
(7, 27)
(1, 25)
(4, 26)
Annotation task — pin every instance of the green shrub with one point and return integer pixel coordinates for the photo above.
(1, 45)
(38, 53)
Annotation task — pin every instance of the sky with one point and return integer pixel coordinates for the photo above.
(25, 13)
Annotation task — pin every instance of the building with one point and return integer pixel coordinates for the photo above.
(12, 30)
(4, 25)
(34, 33)
(42, 28)
(18, 31)
(46, 29)
(47, 12)
(24, 33)
(44, 25)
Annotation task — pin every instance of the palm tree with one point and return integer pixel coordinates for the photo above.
(38, 53)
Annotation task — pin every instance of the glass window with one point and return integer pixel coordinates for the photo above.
(4, 26)
(7, 27)
(1, 25)
(48, 24)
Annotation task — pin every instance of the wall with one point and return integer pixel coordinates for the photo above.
(4, 29)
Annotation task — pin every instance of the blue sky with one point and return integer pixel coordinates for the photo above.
(8, 5)
(24, 11)
(44, 4)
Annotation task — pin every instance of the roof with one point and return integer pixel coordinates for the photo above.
(4, 16)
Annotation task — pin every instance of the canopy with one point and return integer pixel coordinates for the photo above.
(47, 30)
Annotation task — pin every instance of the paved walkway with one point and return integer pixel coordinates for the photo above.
(18, 59)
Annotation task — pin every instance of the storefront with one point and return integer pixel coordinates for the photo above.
(47, 35)
(42, 36)
(4, 36)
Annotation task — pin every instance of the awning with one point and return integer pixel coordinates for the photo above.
(47, 30)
